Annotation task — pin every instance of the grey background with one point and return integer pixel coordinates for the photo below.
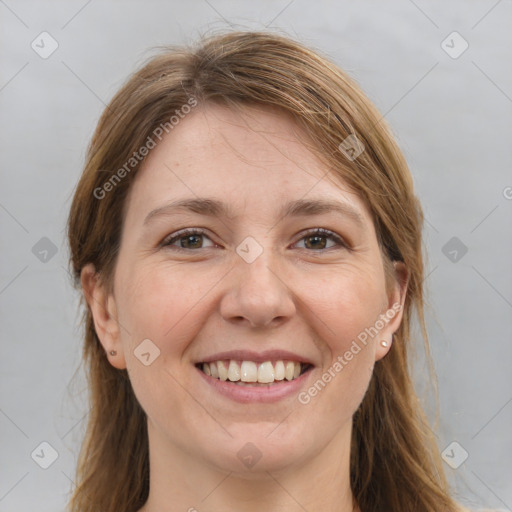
(452, 118)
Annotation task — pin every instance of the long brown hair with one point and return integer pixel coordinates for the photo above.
(395, 461)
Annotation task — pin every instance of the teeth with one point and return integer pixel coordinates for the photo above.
(233, 371)
(279, 370)
(266, 372)
(223, 371)
(249, 371)
(289, 370)
(214, 372)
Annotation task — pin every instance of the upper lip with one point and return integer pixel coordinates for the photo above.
(257, 357)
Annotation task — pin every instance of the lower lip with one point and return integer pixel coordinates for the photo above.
(250, 394)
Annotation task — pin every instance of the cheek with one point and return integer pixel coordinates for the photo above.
(345, 308)
(345, 303)
(163, 304)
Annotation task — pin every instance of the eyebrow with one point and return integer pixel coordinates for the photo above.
(300, 207)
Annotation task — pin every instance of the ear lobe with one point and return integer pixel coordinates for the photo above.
(393, 316)
(104, 313)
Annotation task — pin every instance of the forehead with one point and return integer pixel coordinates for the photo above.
(251, 157)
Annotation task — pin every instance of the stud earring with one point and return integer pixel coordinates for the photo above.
(113, 353)
(384, 343)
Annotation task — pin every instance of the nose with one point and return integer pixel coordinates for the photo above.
(257, 294)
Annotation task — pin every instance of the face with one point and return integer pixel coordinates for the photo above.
(267, 270)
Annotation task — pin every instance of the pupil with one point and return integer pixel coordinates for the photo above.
(189, 241)
(317, 238)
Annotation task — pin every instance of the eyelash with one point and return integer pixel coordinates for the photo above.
(197, 231)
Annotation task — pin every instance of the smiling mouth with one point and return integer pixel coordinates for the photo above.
(250, 373)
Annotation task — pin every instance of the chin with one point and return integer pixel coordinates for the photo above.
(259, 448)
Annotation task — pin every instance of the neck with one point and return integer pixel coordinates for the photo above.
(179, 482)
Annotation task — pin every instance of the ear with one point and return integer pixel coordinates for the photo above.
(392, 314)
(104, 312)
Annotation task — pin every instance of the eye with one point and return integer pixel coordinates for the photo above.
(187, 239)
(190, 239)
(318, 239)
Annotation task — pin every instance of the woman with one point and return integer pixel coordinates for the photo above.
(248, 241)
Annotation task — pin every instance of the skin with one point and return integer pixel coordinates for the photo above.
(206, 299)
